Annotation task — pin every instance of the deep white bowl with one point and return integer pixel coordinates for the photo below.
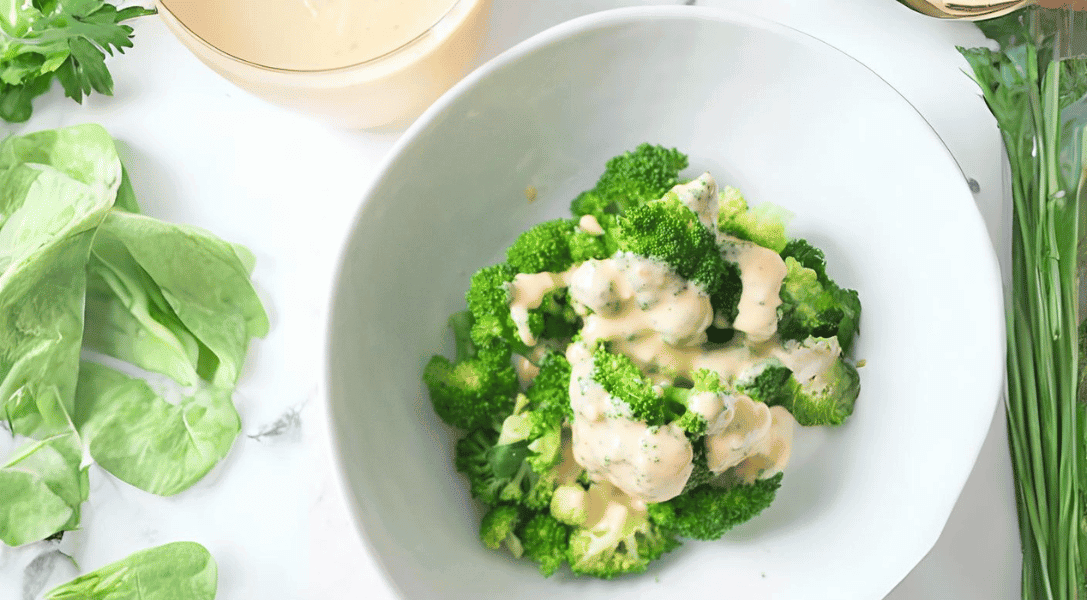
(787, 119)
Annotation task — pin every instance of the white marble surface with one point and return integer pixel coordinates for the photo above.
(273, 513)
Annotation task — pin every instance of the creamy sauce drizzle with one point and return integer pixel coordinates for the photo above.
(651, 464)
(527, 291)
(659, 319)
(647, 310)
(590, 225)
(700, 195)
(761, 271)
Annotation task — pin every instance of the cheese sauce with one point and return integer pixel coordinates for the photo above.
(648, 312)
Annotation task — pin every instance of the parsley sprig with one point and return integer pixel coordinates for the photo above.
(65, 39)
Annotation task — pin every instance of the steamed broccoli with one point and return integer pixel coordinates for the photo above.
(497, 528)
(517, 453)
(703, 380)
(545, 247)
(770, 382)
(631, 179)
(560, 319)
(812, 304)
(708, 511)
(764, 224)
(624, 541)
(556, 245)
(477, 387)
(516, 462)
(488, 300)
(585, 245)
(669, 231)
(545, 541)
(823, 398)
(621, 378)
(549, 392)
(700, 472)
(828, 398)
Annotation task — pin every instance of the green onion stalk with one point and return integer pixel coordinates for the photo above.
(1036, 87)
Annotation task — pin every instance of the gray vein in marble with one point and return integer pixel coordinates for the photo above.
(37, 572)
(287, 425)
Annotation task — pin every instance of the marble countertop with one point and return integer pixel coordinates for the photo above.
(273, 513)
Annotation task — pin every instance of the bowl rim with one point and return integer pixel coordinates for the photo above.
(559, 33)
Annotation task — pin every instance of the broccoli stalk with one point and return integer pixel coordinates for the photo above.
(497, 528)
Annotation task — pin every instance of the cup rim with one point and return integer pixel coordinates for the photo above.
(419, 39)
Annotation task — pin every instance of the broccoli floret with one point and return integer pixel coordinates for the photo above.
(668, 231)
(495, 473)
(545, 247)
(517, 462)
(545, 541)
(560, 319)
(700, 473)
(476, 388)
(770, 382)
(498, 528)
(618, 546)
(707, 380)
(621, 378)
(549, 403)
(569, 504)
(829, 398)
(557, 245)
(824, 398)
(585, 246)
(708, 511)
(488, 300)
(811, 303)
(678, 398)
(764, 224)
(549, 393)
(630, 179)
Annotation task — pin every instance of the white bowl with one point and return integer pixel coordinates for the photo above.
(787, 119)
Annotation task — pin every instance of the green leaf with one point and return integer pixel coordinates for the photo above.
(85, 153)
(16, 101)
(66, 39)
(90, 63)
(43, 487)
(126, 196)
(44, 246)
(142, 439)
(205, 280)
(128, 318)
(175, 571)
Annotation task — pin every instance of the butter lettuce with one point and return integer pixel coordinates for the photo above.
(204, 281)
(175, 571)
(143, 440)
(43, 486)
(82, 271)
(64, 184)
